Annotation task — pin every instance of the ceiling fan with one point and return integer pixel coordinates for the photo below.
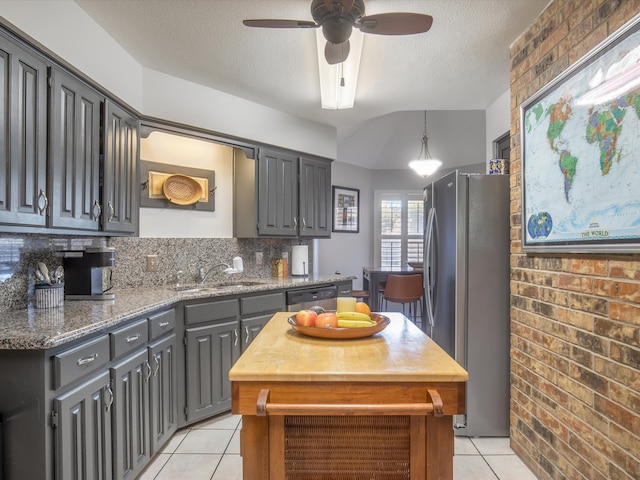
(338, 18)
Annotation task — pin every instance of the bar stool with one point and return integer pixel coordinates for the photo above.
(405, 289)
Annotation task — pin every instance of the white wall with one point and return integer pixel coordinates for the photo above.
(498, 120)
(347, 253)
(188, 152)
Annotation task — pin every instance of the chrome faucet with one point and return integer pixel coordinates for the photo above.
(237, 268)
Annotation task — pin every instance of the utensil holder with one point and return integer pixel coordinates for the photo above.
(50, 296)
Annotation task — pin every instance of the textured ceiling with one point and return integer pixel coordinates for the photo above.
(462, 63)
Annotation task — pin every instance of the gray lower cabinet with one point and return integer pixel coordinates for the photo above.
(131, 446)
(256, 311)
(251, 327)
(211, 352)
(163, 391)
(83, 431)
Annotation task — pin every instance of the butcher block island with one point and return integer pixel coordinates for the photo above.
(378, 407)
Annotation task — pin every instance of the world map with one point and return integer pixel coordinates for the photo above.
(581, 153)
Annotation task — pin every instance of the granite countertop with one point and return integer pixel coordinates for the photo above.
(399, 353)
(37, 329)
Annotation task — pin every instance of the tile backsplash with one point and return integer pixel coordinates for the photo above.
(20, 254)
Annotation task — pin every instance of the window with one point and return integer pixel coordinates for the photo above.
(398, 228)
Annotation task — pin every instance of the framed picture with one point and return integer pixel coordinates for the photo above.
(346, 210)
(580, 140)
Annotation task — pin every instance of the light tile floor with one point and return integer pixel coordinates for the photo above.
(210, 450)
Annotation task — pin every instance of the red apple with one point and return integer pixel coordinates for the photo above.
(306, 318)
(327, 320)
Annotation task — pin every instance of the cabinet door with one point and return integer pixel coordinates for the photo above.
(277, 194)
(211, 352)
(83, 433)
(315, 198)
(163, 391)
(130, 380)
(75, 153)
(23, 136)
(121, 185)
(251, 327)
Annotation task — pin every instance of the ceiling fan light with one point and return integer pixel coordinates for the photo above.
(425, 167)
(338, 82)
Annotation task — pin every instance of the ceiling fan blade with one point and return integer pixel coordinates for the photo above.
(395, 23)
(275, 23)
(336, 52)
(346, 5)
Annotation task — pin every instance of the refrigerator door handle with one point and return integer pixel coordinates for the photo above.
(428, 268)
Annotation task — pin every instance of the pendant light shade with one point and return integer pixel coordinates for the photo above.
(425, 165)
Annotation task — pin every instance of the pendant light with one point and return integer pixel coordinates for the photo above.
(425, 165)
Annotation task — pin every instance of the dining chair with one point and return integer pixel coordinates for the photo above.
(407, 290)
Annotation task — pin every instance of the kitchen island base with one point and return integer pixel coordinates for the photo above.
(375, 408)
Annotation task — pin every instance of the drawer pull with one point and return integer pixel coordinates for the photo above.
(235, 333)
(163, 324)
(133, 338)
(85, 360)
(110, 402)
(246, 331)
(435, 408)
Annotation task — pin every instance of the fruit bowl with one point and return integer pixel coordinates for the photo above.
(342, 333)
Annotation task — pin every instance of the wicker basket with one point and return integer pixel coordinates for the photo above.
(347, 448)
(182, 190)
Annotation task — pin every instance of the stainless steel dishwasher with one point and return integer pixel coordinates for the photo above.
(308, 297)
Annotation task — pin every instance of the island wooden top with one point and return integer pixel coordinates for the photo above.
(399, 353)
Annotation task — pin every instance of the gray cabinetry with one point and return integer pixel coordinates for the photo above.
(281, 194)
(130, 384)
(23, 135)
(82, 421)
(163, 391)
(256, 311)
(315, 198)
(120, 190)
(212, 346)
(74, 142)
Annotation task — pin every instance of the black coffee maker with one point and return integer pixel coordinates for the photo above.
(83, 273)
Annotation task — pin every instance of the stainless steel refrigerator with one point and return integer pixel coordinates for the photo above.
(466, 276)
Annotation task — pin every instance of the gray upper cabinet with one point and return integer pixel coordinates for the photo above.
(277, 194)
(23, 135)
(315, 198)
(281, 194)
(121, 185)
(74, 144)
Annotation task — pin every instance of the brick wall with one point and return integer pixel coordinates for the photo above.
(575, 319)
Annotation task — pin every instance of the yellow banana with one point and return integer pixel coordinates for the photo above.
(354, 316)
(355, 323)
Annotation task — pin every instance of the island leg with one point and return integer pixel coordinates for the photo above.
(254, 450)
(439, 447)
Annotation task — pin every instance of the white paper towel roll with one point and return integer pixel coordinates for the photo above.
(299, 260)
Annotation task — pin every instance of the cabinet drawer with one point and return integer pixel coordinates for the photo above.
(162, 323)
(129, 338)
(262, 303)
(206, 312)
(76, 362)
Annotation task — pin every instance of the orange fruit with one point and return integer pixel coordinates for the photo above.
(363, 308)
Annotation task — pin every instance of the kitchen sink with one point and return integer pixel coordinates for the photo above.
(215, 287)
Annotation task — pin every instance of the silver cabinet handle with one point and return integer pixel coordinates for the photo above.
(146, 379)
(133, 338)
(295, 223)
(43, 202)
(163, 324)
(85, 360)
(155, 371)
(110, 402)
(235, 333)
(97, 210)
(112, 211)
(304, 224)
(246, 331)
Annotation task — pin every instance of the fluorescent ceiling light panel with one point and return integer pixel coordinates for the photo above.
(333, 95)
